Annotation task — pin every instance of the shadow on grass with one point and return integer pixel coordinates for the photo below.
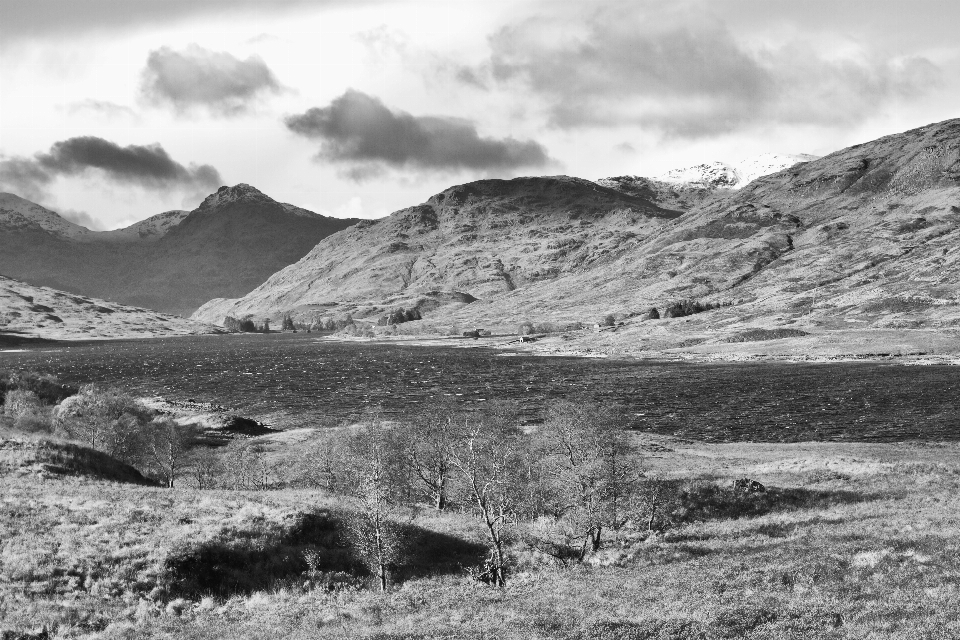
(713, 502)
(311, 547)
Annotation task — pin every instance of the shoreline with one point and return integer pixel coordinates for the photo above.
(823, 348)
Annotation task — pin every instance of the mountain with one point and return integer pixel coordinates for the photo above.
(17, 214)
(171, 262)
(28, 311)
(151, 229)
(477, 240)
(863, 237)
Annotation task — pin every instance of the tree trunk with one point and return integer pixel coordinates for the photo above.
(595, 538)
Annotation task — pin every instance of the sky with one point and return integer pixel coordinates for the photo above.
(115, 110)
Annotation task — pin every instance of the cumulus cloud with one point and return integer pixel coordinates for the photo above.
(359, 131)
(197, 77)
(147, 166)
(688, 75)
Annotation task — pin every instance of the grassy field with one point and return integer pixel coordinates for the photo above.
(849, 541)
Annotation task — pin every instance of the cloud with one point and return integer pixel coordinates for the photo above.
(197, 77)
(102, 108)
(358, 130)
(20, 19)
(82, 218)
(149, 167)
(685, 73)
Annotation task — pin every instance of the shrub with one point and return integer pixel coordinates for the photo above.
(758, 335)
(688, 308)
(608, 321)
(46, 387)
(652, 314)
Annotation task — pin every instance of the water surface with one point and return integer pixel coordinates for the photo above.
(290, 380)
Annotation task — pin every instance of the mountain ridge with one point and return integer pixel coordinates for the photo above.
(172, 262)
(861, 236)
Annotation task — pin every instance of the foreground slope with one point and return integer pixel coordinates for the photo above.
(171, 262)
(860, 542)
(27, 311)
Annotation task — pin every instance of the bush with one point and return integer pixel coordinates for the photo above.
(688, 308)
(46, 387)
(652, 314)
(525, 328)
(608, 321)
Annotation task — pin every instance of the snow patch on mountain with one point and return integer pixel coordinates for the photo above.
(151, 229)
(733, 175)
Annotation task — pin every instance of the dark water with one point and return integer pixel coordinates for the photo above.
(292, 380)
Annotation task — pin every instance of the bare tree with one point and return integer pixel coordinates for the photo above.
(656, 499)
(491, 466)
(167, 446)
(376, 471)
(204, 466)
(428, 452)
(592, 468)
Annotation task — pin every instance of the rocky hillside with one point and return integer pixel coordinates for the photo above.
(172, 262)
(863, 237)
(480, 240)
(27, 312)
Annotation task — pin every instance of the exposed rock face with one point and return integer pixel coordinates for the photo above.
(28, 311)
(867, 235)
(172, 262)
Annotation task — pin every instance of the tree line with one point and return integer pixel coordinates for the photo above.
(563, 487)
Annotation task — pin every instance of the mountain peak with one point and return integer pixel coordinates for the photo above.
(241, 192)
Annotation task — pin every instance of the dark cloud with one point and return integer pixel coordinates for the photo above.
(22, 19)
(683, 72)
(197, 77)
(149, 167)
(81, 218)
(360, 131)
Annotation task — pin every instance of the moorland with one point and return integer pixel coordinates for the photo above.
(472, 519)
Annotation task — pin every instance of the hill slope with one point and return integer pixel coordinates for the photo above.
(28, 311)
(172, 262)
(485, 239)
